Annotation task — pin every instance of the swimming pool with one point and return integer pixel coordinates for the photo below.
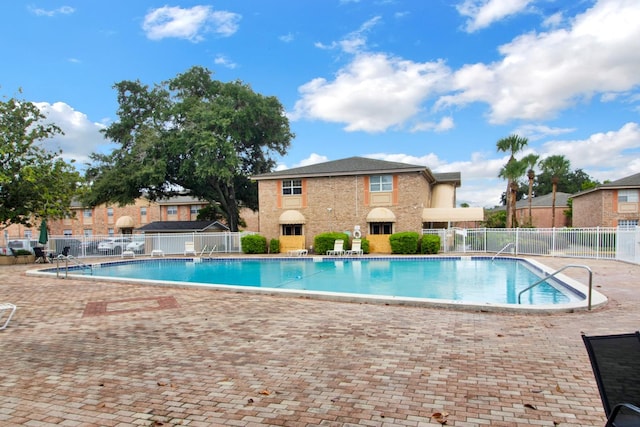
(462, 281)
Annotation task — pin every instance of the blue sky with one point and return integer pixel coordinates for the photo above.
(428, 82)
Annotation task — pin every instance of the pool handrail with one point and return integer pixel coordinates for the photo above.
(544, 279)
(502, 250)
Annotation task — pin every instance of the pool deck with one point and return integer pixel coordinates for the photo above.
(86, 353)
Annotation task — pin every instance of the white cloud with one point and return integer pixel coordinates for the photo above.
(534, 132)
(372, 93)
(483, 13)
(554, 20)
(542, 74)
(225, 62)
(605, 151)
(287, 38)
(354, 42)
(430, 160)
(311, 160)
(63, 10)
(189, 24)
(81, 136)
(445, 124)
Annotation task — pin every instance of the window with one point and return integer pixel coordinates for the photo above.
(195, 209)
(172, 210)
(381, 228)
(67, 232)
(630, 196)
(291, 186)
(27, 234)
(110, 212)
(88, 232)
(378, 183)
(143, 211)
(87, 213)
(110, 232)
(292, 229)
(627, 224)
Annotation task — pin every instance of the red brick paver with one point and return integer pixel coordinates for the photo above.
(226, 358)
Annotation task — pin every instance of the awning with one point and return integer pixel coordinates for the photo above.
(125, 222)
(452, 214)
(291, 217)
(381, 215)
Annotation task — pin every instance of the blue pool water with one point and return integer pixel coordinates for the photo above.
(472, 280)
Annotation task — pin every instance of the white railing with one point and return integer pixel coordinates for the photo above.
(597, 242)
(143, 244)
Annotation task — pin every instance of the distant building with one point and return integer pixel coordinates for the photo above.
(110, 219)
(615, 204)
(541, 211)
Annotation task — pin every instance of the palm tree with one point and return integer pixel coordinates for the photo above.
(530, 160)
(556, 166)
(511, 144)
(512, 171)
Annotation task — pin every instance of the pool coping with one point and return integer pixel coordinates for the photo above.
(574, 286)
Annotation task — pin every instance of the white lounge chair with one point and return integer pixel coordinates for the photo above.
(190, 248)
(6, 309)
(128, 254)
(338, 246)
(297, 252)
(356, 248)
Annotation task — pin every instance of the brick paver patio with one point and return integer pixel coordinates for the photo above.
(82, 353)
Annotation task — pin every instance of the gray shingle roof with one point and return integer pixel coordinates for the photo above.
(545, 201)
(629, 182)
(347, 166)
(182, 226)
(357, 166)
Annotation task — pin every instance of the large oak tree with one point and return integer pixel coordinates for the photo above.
(34, 182)
(194, 134)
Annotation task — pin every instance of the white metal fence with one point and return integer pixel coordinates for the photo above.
(599, 242)
(142, 244)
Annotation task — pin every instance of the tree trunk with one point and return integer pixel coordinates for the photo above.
(509, 222)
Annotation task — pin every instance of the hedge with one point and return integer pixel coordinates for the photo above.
(324, 242)
(274, 246)
(254, 244)
(430, 244)
(404, 243)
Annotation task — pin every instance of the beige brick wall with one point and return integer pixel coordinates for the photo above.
(541, 217)
(338, 204)
(588, 209)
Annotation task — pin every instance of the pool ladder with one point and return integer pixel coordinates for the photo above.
(544, 279)
(66, 260)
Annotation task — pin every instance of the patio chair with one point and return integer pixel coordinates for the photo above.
(40, 255)
(6, 309)
(356, 248)
(615, 360)
(190, 248)
(338, 246)
(297, 252)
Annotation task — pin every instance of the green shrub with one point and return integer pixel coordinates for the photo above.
(324, 242)
(364, 245)
(430, 244)
(274, 246)
(404, 243)
(254, 244)
(21, 252)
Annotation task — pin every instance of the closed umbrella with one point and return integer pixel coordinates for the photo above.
(44, 234)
